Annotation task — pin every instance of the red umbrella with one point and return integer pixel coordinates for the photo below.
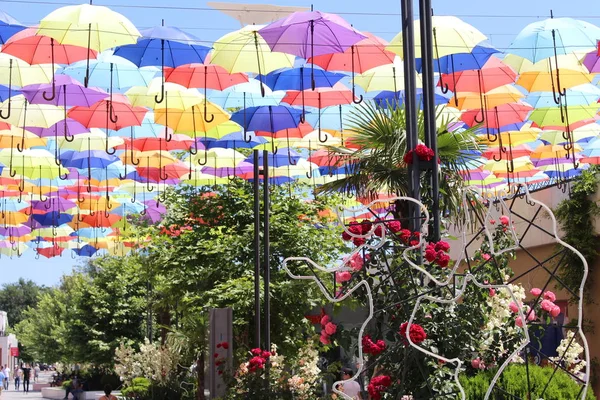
(499, 116)
(324, 157)
(114, 114)
(100, 220)
(34, 49)
(493, 74)
(179, 142)
(207, 76)
(171, 171)
(320, 97)
(50, 252)
(364, 55)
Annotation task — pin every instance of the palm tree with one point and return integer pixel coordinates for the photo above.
(377, 165)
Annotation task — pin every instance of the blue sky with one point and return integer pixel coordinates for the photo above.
(499, 20)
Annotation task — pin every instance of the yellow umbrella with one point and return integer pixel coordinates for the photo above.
(19, 112)
(495, 97)
(12, 218)
(565, 61)
(384, 77)
(543, 81)
(176, 96)
(199, 118)
(311, 140)
(515, 138)
(556, 137)
(200, 178)
(153, 158)
(301, 168)
(553, 151)
(86, 25)
(451, 36)
(246, 51)
(223, 129)
(218, 158)
(16, 72)
(498, 168)
(13, 137)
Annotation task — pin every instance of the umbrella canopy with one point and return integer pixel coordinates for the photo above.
(105, 28)
(192, 120)
(502, 115)
(358, 58)
(109, 114)
(175, 95)
(320, 97)
(164, 46)
(38, 49)
(8, 27)
(310, 33)
(451, 36)
(300, 78)
(69, 92)
(267, 118)
(541, 39)
(18, 73)
(246, 51)
(208, 76)
(385, 77)
(452, 63)
(248, 94)
(553, 116)
(493, 74)
(493, 98)
(24, 114)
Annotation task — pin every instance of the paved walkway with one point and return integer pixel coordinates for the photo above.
(11, 394)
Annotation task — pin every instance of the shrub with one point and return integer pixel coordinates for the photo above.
(514, 382)
(138, 390)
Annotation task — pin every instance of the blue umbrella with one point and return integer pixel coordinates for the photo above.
(5, 92)
(125, 74)
(87, 159)
(8, 27)
(164, 46)
(462, 61)
(579, 95)
(247, 94)
(300, 78)
(53, 218)
(86, 251)
(277, 160)
(267, 118)
(329, 117)
(235, 140)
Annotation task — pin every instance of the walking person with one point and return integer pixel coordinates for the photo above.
(6, 376)
(350, 388)
(26, 377)
(2, 376)
(18, 375)
(107, 395)
(36, 373)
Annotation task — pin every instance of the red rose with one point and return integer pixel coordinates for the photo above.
(430, 254)
(330, 328)
(359, 241)
(225, 345)
(365, 226)
(408, 157)
(442, 245)
(394, 226)
(417, 333)
(378, 385)
(346, 236)
(257, 351)
(424, 153)
(443, 260)
(266, 354)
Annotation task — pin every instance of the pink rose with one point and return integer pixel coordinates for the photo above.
(325, 320)
(325, 338)
(547, 305)
(530, 314)
(343, 276)
(504, 220)
(486, 256)
(430, 254)
(493, 221)
(536, 291)
(356, 262)
(513, 307)
(330, 328)
(492, 292)
(555, 311)
(548, 295)
(475, 363)
(519, 322)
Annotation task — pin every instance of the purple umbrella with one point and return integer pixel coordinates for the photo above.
(15, 231)
(592, 62)
(69, 93)
(54, 203)
(154, 211)
(310, 33)
(229, 172)
(67, 128)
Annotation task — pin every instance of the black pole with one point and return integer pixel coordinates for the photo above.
(410, 93)
(429, 112)
(267, 249)
(256, 186)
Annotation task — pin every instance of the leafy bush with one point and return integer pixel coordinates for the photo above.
(138, 390)
(514, 382)
(66, 384)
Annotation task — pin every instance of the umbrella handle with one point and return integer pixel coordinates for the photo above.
(247, 138)
(476, 119)
(144, 211)
(309, 174)
(320, 139)
(160, 99)
(160, 174)
(73, 255)
(205, 159)
(212, 116)
(69, 138)
(53, 96)
(63, 177)
(9, 92)
(148, 187)
(111, 115)
(49, 205)
(302, 117)
(106, 214)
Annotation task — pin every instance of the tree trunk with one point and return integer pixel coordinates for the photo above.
(200, 375)
(164, 318)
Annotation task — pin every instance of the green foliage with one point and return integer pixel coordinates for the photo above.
(378, 165)
(575, 216)
(514, 381)
(16, 297)
(139, 389)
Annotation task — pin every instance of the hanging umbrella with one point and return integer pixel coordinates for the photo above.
(177, 96)
(576, 96)
(24, 114)
(493, 74)
(219, 158)
(320, 97)
(246, 51)
(537, 81)
(112, 114)
(551, 116)
(105, 28)
(247, 95)
(267, 118)
(475, 59)
(68, 92)
(493, 98)
(124, 73)
(192, 120)
(451, 35)
(499, 116)
(592, 62)
(396, 99)
(94, 140)
(300, 131)
(13, 137)
(385, 77)
(207, 76)
(49, 252)
(8, 27)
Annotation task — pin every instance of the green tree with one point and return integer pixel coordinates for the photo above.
(16, 297)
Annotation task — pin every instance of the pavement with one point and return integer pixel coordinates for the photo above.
(11, 394)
